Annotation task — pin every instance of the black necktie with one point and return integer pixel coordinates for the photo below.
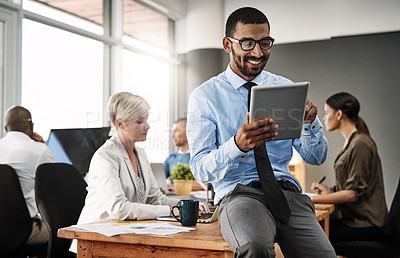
(273, 193)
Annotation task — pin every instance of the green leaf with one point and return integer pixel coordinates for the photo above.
(182, 171)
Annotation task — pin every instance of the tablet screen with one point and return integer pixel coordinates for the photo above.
(284, 103)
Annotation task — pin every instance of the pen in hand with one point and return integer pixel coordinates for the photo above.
(315, 188)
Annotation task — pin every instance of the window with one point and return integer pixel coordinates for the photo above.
(87, 16)
(9, 59)
(149, 78)
(70, 67)
(145, 24)
(2, 46)
(62, 78)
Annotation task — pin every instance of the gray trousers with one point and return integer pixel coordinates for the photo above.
(249, 228)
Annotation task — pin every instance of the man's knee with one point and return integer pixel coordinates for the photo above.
(254, 249)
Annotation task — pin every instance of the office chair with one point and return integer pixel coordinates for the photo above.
(375, 248)
(15, 220)
(60, 196)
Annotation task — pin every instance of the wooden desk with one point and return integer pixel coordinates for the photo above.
(328, 209)
(323, 218)
(205, 241)
(298, 171)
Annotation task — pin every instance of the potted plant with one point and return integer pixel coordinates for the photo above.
(182, 177)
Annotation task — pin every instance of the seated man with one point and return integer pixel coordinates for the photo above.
(182, 155)
(24, 150)
(259, 201)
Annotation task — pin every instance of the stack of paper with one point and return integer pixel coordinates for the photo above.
(112, 229)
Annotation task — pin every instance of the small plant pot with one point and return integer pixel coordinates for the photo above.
(182, 187)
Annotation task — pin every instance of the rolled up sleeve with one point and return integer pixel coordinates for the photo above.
(312, 145)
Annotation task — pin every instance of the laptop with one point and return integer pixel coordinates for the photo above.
(203, 218)
(285, 103)
(159, 174)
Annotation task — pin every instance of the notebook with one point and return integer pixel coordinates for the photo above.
(203, 218)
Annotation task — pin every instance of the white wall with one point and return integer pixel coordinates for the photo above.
(291, 20)
(202, 27)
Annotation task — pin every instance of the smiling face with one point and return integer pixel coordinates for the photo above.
(331, 118)
(248, 64)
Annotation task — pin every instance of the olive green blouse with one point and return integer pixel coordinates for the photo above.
(358, 167)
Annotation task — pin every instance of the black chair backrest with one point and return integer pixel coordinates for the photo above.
(394, 215)
(15, 220)
(60, 196)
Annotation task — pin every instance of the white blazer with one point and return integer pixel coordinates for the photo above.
(112, 187)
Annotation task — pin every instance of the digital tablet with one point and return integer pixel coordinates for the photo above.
(284, 103)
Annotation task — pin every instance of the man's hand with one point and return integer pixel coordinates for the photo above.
(251, 135)
(36, 137)
(310, 113)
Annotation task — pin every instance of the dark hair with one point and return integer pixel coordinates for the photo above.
(351, 107)
(245, 15)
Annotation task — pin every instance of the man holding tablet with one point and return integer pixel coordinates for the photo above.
(225, 147)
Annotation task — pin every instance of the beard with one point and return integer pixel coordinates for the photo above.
(245, 70)
(179, 142)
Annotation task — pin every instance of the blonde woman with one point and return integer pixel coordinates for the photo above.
(121, 184)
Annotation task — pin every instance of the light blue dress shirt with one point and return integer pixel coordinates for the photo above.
(216, 110)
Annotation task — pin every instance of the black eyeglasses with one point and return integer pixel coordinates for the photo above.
(249, 44)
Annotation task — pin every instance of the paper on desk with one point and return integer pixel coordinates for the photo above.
(310, 194)
(201, 194)
(112, 229)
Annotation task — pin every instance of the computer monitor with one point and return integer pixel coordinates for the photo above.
(76, 146)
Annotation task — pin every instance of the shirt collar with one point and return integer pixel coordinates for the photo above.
(115, 138)
(236, 81)
(18, 134)
(181, 152)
